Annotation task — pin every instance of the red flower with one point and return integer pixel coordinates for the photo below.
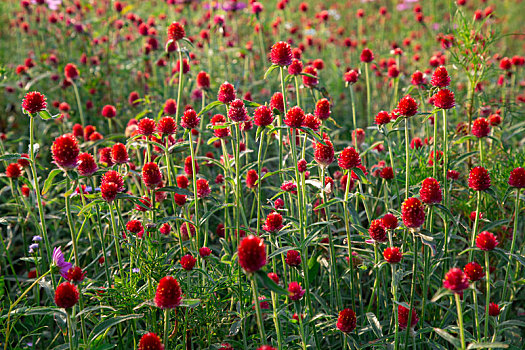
(203, 188)
(455, 280)
(204, 252)
(322, 109)
(452, 175)
(277, 102)
(184, 231)
(75, 274)
(219, 119)
(150, 341)
(312, 122)
(274, 277)
(65, 151)
(166, 126)
(273, 223)
(226, 93)
(301, 165)
(494, 119)
(494, 310)
(505, 63)
(189, 119)
(387, 173)
(188, 262)
(430, 192)
(111, 184)
(135, 226)
(295, 117)
(263, 116)
(66, 295)
(392, 255)
(479, 179)
(293, 258)
(517, 178)
(296, 67)
(295, 291)
(402, 317)
(251, 178)
(119, 154)
(412, 213)
(13, 171)
(474, 271)
(109, 111)
(367, 55)
(382, 118)
(71, 71)
(310, 80)
(418, 78)
(176, 31)
(377, 232)
(169, 294)
(252, 253)
(324, 154)
(281, 54)
(480, 127)
(170, 106)
(440, 78)
(34, 102)
(349, 158)
(486, 241)
(151, 175)
(188, 166)
(146, 127)
(346, 321)
(182, 181)
(351, 76)
(407, 106)
(444, 99)
(389, 221)
(237, 111)
(203, 80)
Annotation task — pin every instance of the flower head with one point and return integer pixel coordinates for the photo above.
(226, 93)
(407, 106)
(263, 116)
(324, 153)
(295, 291)
(281, 54)
(86, 164)
(486, 241)
(349, 158)
(237, 111)
(150, 341)
(176, 31)
(377, 232)
(34, 102)
(65, 151)
(188, 262)
(412, 213)
(66, 295)
(190, 120)
(455, 280)
(517, 178)
(402, 316)
(293, 258)
(252, 253)
(392, 255)
(294, 117)
(59, 262)
(474, 271)
(151, 175)
(169, 294)
(479, 179)
(430, 192)
(203, 188)
(273, 223)
(444, 99)
(346, 321)
(440, 78)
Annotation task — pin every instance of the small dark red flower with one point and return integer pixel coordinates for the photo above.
(455, 280)
(150, 341)
(151, 175)
(274, 277)
(346, 321)
(349, 158)
(387, 173)
(322, 109)
(412, 213)
(119, 154)
(517, 178)
(109, 111)
(281, 54)
(226, 93)
(34, 102)
(480, 127)
(295, 291)
(252, 253)
(351, 76)
(166, 126)
(293, 258)
(311, 121)
(407, 106)
(486, 241)
(176, 31)
(237, 111)
(444, 99)
(170, 106)
(402, 317)
(263, 116)
(188, 166)
(13, 171)
(204, 252)
(296, 67)
(301, 165)
(430, 192)
(392, 255)
(474, 271)
(311, 79)
(188, 262)
(479, 179)
(324, 154)
(251, 178)
(203, 188)
(440, 78)
(418, 78)
(169, 294)
(377, 232)
(65, 151)
(367, 55)
(71, 71)
(389, 221)
(277, 102)
(203, 80)
(273, 223)
(189, 119)
(146, 127)
(382, 118)
(75, 274)
(494, 309)
(66, 295)
(135, 227)
(294, 117)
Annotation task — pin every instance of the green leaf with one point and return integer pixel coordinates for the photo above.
(487, 345)
(279, 251)
(14, 156)
(271, 69)
(209, 107)
(397, 122)
(188, 41)
(270, 284)
(103, 326)
(448, 337)
(251, 104)
(46, 115)
(175, 190)
(313, 134)
(134, 199)
(374, 322)
(465, 139)
(191, 303)
(49, 180)
(213, 210)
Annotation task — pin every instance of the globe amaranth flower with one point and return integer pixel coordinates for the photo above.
(189, 119)
(237, 111)
(251, 178)
(226, 93)
(430, 192)
(188, 169)
(273, 223)
(389, 221)
(367, 55)
(322, 109)
(34, 102)
(440, 78)
(351, 76)
(480, 127)
(310, 77)
(456, 280)
(382, 118)
(71, 71)
(150, 341)
(281, 54)
(407, 106)
(66, 295)
(376, 231)
(418, 78)
(474, 271)
(517, 178)
(111, 184)
(168, 294)
(402, 316)
(109, 111)
(86, 165)
(176, 31)
(296, 67)
(392, 255)
(203, 188)
(293, 258)
(146, 127)
(252, 253)
(204, 252)
(412, 213)
(349, 158)
(295, 291)
(170, 106)
(65, 151)
(151, 175)
(13, 171)
(486, 241)
(294, 117)
(75, 274)
(188, 262)
(494, 310)
(263, 116)
(346, 321)
(119, 154)
(444, 99)
(324, 153)
(479, 179)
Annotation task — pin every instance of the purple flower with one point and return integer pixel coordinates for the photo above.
(59, 263)
(33, 247)
(37, 238)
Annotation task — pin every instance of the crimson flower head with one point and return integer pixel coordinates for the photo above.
(351, 76)
(311, 79)
(324, 154)
(109, 111)
(169, 294)
(203, 188)
(392, 255)
(322, 109)
(430, 192)
(237, 111)
(301, 165)
(486, 241)
(311, 121)
(176, 31)
(294, 117)
(151, 175)
(456, 280)
(150, 341)
(277, 102)
(13, 171)
(376, 231)
(295, 291)
(203, 80)
(281, 54)
(517, 178)
(444, 99)
(251, 178)
(367, 55)
(407, 106)
(119, 154)
(480, 127)
(166, 126)
(389, 221)
(66, 295)
(274, 277)
(188, 262)
(111, 184)
(189, 119)
(273, 223)
(263, 116)
(34, 102)
(402, 316)
(204, 252)
(71, 71)
(188, 169)
(418, 78)
(296, 67)
(226, 93)
(349, 158)
(479, 179)
(382, 118)
(65, 151)
(136, 227)
(412, 213)
(474, 271)
(252, 253)
(346, 321)
(146, 127)
(494, 310)
(293, 258)
(170, 106)
(440, 78)
(387, 173)
(75, 274)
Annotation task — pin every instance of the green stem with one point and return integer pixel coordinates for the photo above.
(487, 295)
(368, 97)
(116, 239)
(475, 228)
(195, 196)
(476, 313)
(512, 245)
(260, 322)
(413, 286)
(407, 164)
(69, 330)
(166, 323)
(460, 321)
(179, 91)
(70, 220)
(348, 238)
(79, 104)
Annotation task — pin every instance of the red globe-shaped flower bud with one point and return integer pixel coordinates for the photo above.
(377, 232)
(440, 78)
(273, 223)
(392, 255)
(66, 295)
(13, 171)
(322, 109)
(480, 127)
(150, 341)
(382, 118)
(226, 93)
(109, 111)
(346, 321)
(71, 71)
(311, 121)
(311, 79)
(517, 178)
(188, 262)
(367, 55)
(418, 78)
(281, 54)
(237, 111)
(24, 161)
(252, 253)
(295, 291)
(494, 309)
(203, 80)
(324, 154)
(296, 67)
(119, 154)
(182, 181)
(301, 165)
(166, 126)
(146, 127)
(204, 252)
(263, 116)
(430, 192)
(188, 169)
(387, 173)
(151, 175)
(407, 106)
(455, 280)
(389, 221)
(293, 258)
(295, 117)
(412, 213)
(351, 76)
(274, 277)
(65, 151)
(34, 102)
(479, 179)
(135, 227)
(75, 274)
(474, 271)
(486, 241)
(444, 99)
(169, 294)
(203, 188)
(170, 106)
(176, 31)
(402, 317)
(251, 178)
(189, 119)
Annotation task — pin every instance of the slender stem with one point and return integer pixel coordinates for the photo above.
(392, 164)
(260, 322)
(348, 238)
(69, 330)
(70, 221)
(487, 295)
(79, 104)
(354, 118)
(394, 296)
(481, 155)
(460, 321)
(297, 91)
(179, 91)
(413, 287)
(475, 228)
(166, 323)
(279, 123)
(368, 97)
(259, 187)
(301, 326)
(194, 181)
(116, 239)
(407, 164)
(476, 312)
(512, 245)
